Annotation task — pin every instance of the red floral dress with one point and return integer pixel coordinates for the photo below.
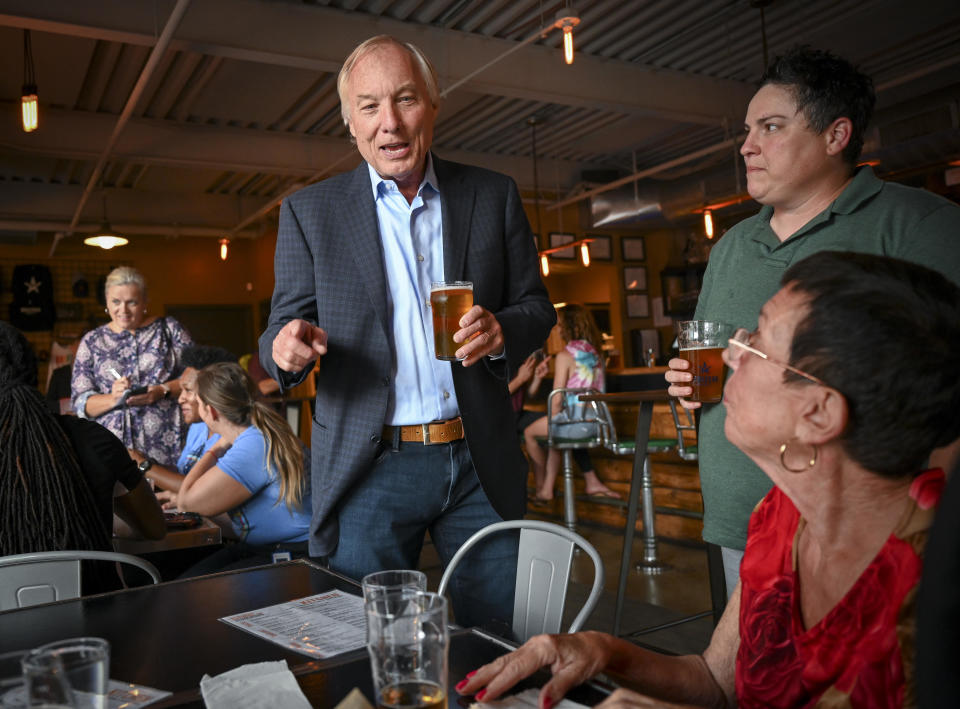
(861, 653)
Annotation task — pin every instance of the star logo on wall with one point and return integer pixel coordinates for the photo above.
(33, 285)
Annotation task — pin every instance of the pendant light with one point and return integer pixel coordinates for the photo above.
(106, 238)
(28, 98)
(567, 19)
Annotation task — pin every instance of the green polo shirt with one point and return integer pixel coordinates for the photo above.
(745, 268)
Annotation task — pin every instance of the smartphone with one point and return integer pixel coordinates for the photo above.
(540, 355)
(137, 391)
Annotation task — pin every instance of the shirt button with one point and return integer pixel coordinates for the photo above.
(420, 257)
(426, 302)
(446, 394)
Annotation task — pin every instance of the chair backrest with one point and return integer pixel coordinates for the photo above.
(47, 576)
(577, 425)
(543, 571)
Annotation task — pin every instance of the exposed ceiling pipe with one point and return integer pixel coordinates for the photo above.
(152, 62)
(703, 152)
(59, 227)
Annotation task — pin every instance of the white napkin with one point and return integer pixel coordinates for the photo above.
(256, 686)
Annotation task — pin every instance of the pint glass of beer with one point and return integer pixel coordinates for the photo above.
(702, 343)
(450, 301)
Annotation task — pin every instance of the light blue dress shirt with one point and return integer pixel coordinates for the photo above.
(412, 238)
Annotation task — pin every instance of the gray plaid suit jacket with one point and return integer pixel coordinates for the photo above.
(329, 271)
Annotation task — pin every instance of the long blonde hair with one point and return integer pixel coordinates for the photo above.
(231, 391)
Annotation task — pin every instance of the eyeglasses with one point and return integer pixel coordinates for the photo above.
(741, 338)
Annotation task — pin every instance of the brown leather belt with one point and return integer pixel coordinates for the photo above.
(428, 433)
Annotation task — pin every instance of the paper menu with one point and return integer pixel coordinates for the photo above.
(323, 625)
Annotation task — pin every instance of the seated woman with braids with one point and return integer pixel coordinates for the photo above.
(840, 395)
(61, 477)
(254, 472)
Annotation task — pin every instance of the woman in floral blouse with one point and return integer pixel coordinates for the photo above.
(125, 375)
(848, 383)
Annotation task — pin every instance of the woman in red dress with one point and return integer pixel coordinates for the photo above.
(858, 385)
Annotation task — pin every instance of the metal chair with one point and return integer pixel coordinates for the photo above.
(47, 576)
(543, 571)
(689, 453)
(574, 426)
(650, 562)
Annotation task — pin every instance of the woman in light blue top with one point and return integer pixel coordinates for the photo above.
(255, 473)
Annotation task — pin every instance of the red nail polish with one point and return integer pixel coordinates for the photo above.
(480, 695)
(547, 702)
(471, 674)
(460, 685)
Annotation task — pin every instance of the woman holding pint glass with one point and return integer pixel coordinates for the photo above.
(839, 395)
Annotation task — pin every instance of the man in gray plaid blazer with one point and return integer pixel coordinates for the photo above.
(355, 258)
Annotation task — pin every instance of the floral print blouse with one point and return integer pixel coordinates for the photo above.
(149, 355)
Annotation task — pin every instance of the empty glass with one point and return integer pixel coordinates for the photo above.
(68, 673)
(393, 580)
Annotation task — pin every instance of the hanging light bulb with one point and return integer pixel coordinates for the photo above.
(544, 265)
(106, 238)
(224, 243)
(585, 253)
(708, 223)
(567, 19)
(568, 44)
(28, 98)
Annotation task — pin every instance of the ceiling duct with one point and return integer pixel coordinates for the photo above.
(926, 137)
(659, 203)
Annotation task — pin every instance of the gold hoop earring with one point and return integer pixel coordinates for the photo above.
(810, 463)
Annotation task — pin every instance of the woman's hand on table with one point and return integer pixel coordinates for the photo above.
(167, 499)
(572, 659)
(679, 377)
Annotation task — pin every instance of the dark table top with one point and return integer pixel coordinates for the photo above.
(168, 636)
(629, 397)
(325, 683)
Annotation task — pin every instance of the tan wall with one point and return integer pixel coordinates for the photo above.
(187, 270)
(602, 282)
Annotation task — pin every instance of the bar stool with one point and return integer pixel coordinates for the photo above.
(688, 453)
(650, 562)
(576, 425)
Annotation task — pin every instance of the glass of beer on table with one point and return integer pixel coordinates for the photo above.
(408, 640)
(702, 343)
(450, 301)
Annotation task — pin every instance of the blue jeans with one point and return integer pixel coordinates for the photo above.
(412, 489)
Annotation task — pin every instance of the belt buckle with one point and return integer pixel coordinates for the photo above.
(425, 428)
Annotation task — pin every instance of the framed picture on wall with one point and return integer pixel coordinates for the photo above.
(632, 249)
(638, 305)
(634, 278)
(559, 239)
(601, 248)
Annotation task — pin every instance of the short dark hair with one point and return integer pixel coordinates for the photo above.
(886, 334)
(826, 87)
(199, 356)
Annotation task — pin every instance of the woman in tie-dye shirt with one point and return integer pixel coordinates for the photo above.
(578, 365)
